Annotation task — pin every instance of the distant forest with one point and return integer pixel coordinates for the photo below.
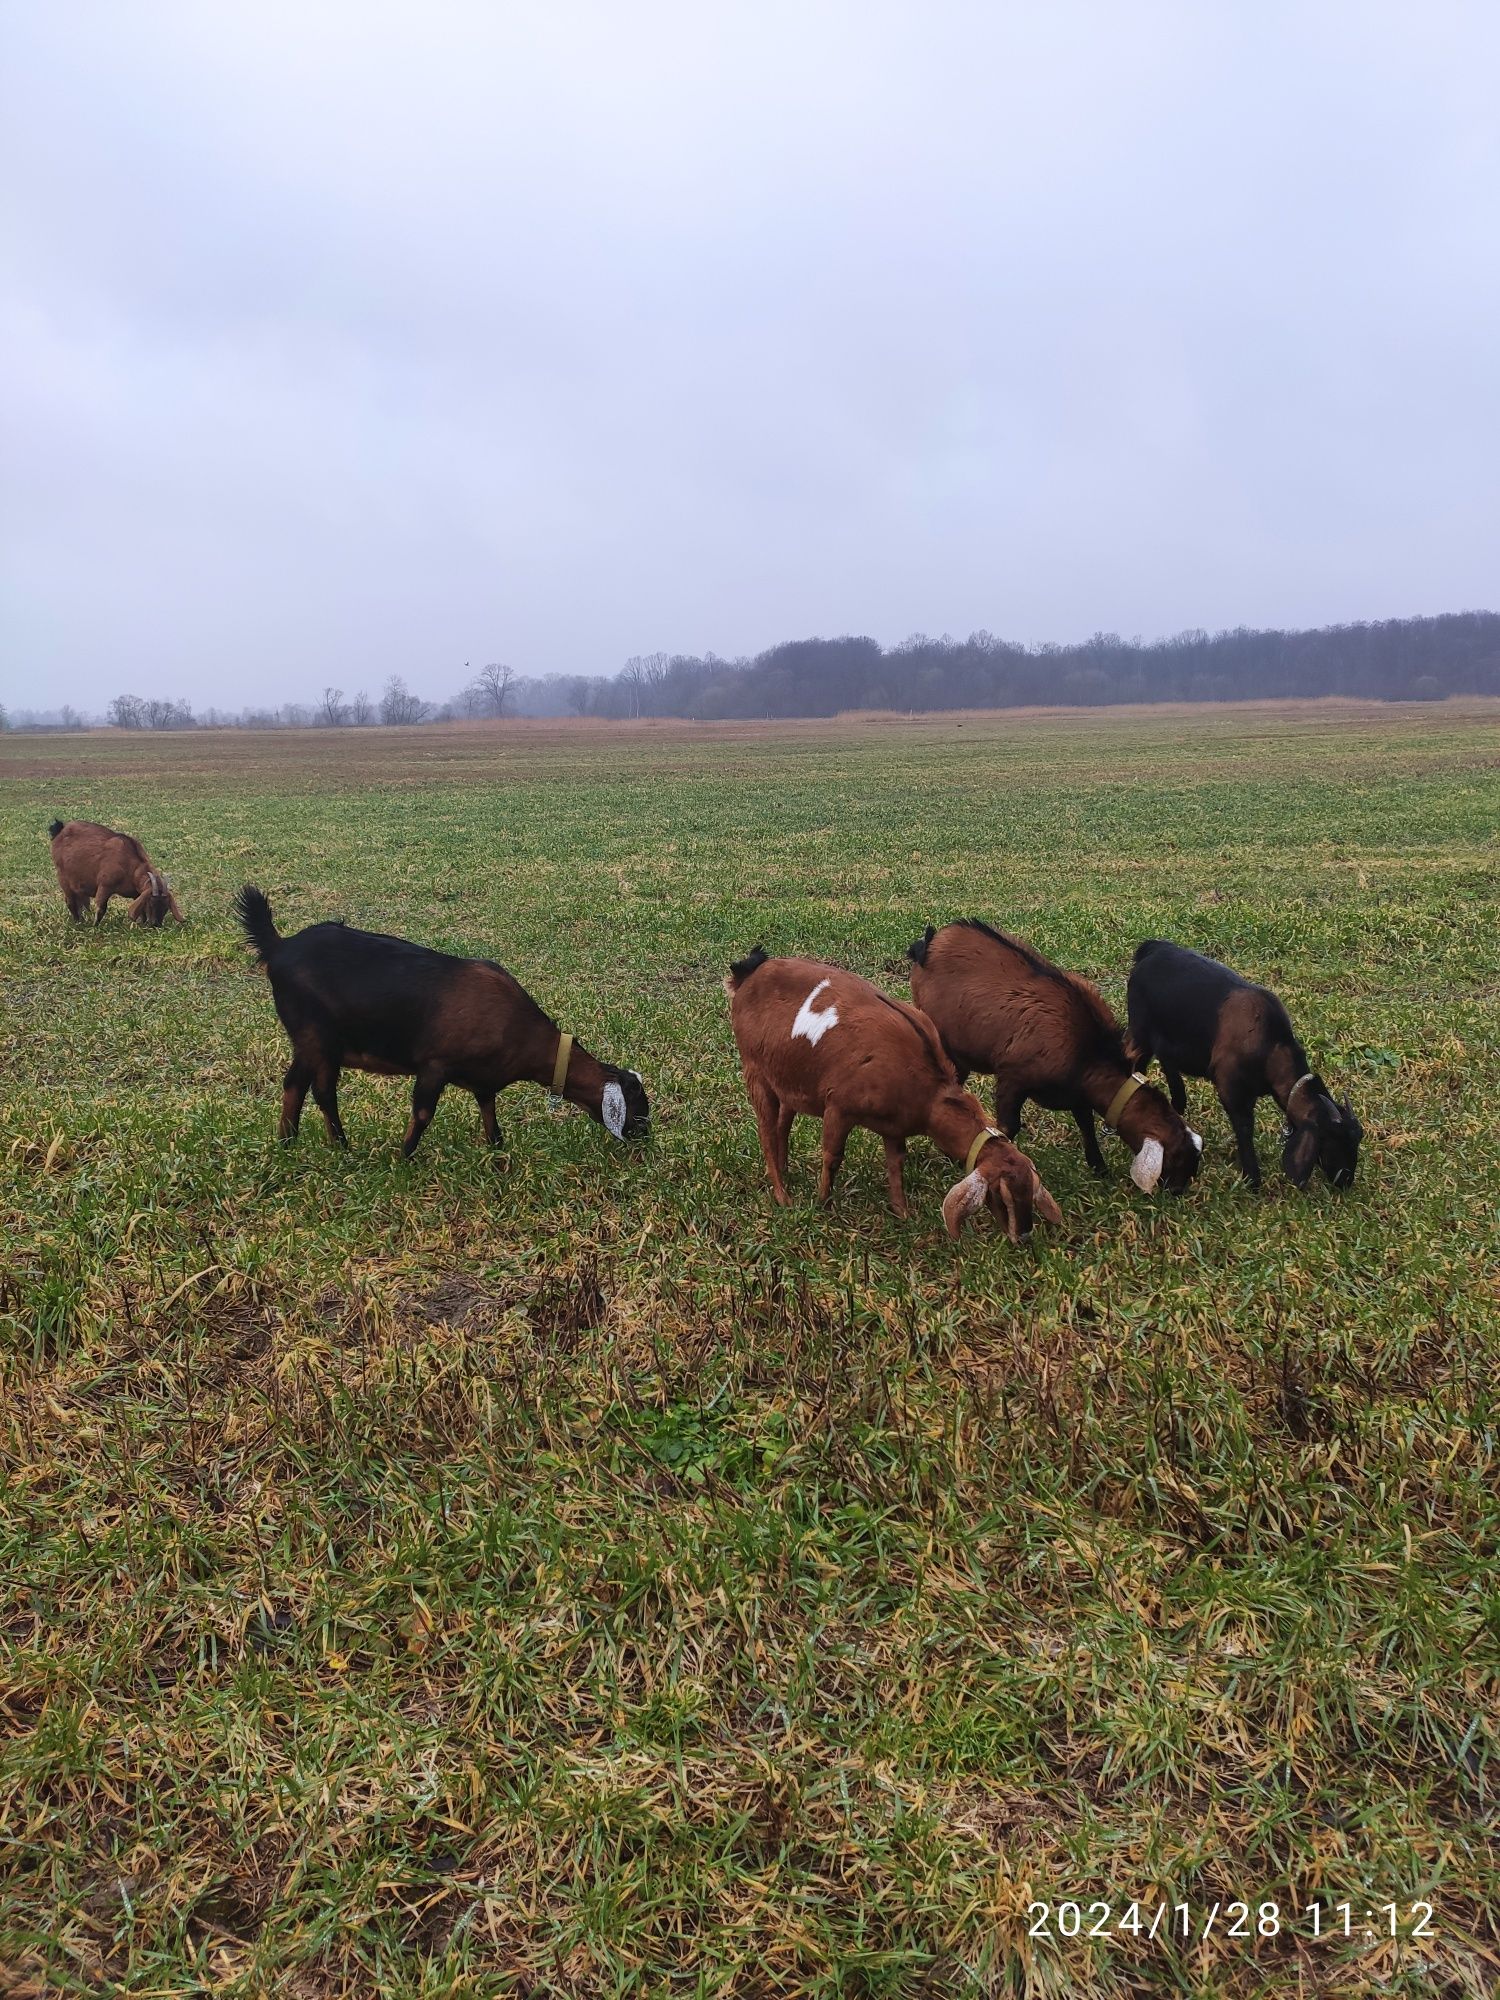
(1397, 659)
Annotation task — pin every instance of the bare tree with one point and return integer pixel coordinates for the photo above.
(494, 683)
(633, 681)
(641, 676)
(399, 706)
(359, 709)
(333, 713)
(127, 711)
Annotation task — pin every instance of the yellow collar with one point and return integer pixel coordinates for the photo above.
(560, 1067)
(1121, 1098)
(979, 1145)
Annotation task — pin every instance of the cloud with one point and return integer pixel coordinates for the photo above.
(355, 340)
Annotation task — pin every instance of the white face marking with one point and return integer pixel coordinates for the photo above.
(814, 1026)
(612, 1109)
(1196, 1137)
(1145, 1168)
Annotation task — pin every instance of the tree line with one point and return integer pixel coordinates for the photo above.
(1395, 659)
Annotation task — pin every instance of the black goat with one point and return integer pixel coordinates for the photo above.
(1197, 1018)
(353, 999)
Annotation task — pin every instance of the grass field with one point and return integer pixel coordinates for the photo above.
(566, 1574)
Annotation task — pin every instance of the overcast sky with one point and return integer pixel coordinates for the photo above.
(349, 339)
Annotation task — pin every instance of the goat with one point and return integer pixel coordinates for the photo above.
(95, 861)
(1045, 1034)
(816, 1039)
(352, 999)
(1197, 1018)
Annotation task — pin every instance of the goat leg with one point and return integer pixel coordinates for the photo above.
(293, 1096)
(424, 1096)
(1083, 1118)
(325, 1092)
(836, 1129)
(772, 1119)
(1241, 1116)
(895, 1160)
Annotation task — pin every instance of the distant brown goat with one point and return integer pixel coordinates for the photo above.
(1046, 1034)
(818, 1040)
(96, 862)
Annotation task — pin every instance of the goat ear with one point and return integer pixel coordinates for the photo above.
(1300, 1155)
(1145, 1168)
(1046, 1207)
(962, 1199)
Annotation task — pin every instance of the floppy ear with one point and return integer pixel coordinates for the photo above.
(1300, 1154)
(1046, 1207)
(1145, 1168)
(961, 1200)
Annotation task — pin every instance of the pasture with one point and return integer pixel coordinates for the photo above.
(564, 1573)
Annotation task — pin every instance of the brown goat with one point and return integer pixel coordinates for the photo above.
(1046, 1034)
(95, 861)
(818, 1040)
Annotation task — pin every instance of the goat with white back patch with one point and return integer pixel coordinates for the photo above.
(818, 1040)
(1043, 1033)
(1199, 1018)
(352, 999)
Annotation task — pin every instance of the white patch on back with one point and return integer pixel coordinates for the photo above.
(1145, 1168)
(814, 1026)
(612, 1109)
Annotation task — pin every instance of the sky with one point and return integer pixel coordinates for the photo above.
(344, 340)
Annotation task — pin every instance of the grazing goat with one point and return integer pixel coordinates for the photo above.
(1045, 1034)
(1197, 1018)
(815, 1039)
(95, 861)
(353, 999)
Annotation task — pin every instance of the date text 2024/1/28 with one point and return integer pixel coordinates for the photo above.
(1185, 1922)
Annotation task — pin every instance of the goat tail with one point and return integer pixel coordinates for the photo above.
(742, 968)
(254, 912)
(1145, 948)
(916, 951)
(55, 829)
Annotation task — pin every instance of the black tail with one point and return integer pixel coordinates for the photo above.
(916, 951)
(254, 912)
(1145, 948)
(742, 968)
(55, 829)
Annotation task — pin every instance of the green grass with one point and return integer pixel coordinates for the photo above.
(570, 1575)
